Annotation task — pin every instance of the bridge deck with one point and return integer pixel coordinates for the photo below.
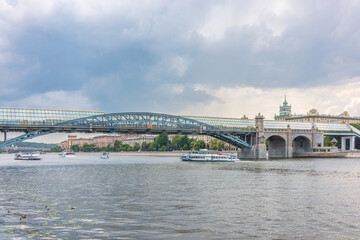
(232, 130)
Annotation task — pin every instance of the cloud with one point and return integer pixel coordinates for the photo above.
(161, 56)
(57, 99)
(179, 65)
(235, 102)
(229, 15)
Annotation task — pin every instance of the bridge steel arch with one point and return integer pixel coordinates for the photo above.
(132, 122)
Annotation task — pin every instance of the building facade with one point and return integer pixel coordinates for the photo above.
(313, 116)
(99, 141)
(139, 139)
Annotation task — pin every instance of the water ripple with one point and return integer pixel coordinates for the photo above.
(163, 198)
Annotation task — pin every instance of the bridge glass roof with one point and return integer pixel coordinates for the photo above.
(229, 123)
(31, 116)
(333, 127)
(237, 123)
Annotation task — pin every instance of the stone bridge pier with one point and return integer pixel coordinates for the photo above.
(281, 143)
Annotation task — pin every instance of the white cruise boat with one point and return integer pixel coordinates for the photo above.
(104, 155)
(27, 156)
(66, 154)
(204, 155)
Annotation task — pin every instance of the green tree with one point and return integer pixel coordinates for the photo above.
(108, 148)
(118, 146)
(57, 148)
(214, 144)
(150, 147)
(126, 148)
(184, 142)
(191, 143)
(87, 147)
(161, 141)
(136, 147)
(200, 144)
(163, 148)
(143, 146)
(175, 142)
(221, 145)
(75, 148)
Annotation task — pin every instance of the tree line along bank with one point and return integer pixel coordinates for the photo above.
(160, 143)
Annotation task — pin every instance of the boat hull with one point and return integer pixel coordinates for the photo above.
(209, 156)
(29, 159)
(104, 156)
(208, 160)
(67, 155)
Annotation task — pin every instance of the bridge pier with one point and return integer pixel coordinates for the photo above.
(290, 151)
(259, 147)
(257, 152)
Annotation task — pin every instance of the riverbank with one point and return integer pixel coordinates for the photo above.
(144, 153)
(155, 154)
(339, 154)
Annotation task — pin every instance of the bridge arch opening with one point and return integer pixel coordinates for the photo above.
(276, 147)
(300, 144)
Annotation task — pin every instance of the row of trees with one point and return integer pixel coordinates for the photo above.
(178, 142)
(160, 143)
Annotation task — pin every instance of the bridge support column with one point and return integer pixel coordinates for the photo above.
(344, 141)
(289, 147)
(290, 151)
(257, 152)
(260, 137)
(259, 149)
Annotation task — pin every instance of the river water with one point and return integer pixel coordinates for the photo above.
(136, 197)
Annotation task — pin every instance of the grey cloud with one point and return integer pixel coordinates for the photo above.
(125, 60)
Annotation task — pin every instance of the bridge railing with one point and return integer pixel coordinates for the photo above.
(292, 130)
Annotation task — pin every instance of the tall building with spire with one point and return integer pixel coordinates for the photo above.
(285, 111)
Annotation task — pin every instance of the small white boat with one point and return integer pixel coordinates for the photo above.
(204, 155)
(104, 155)
(66, 154)
(27, 156)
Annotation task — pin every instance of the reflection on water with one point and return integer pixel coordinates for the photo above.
(130, 197)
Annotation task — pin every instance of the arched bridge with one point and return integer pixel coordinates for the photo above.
(131, 122)
(257, 138)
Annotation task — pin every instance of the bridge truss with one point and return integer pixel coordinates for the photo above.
(130, 122)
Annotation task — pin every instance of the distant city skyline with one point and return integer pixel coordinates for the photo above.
(212, 58)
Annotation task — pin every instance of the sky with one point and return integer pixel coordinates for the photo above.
(190, 57)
